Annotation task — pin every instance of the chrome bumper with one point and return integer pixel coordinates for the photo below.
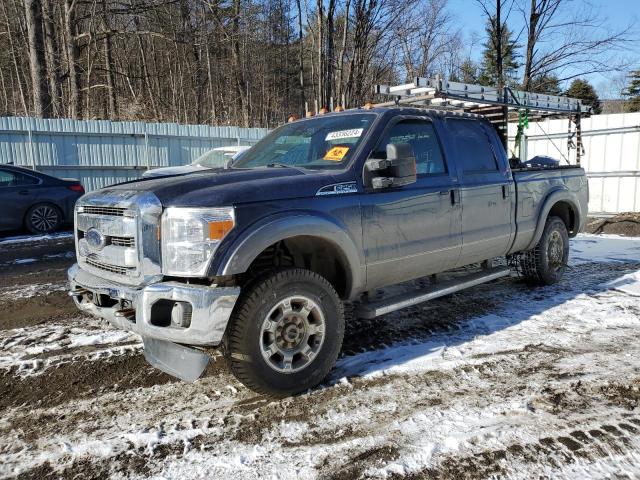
(211, 307)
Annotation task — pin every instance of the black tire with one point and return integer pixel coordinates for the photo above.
(43, 218)
(251, 332)
(547, 262)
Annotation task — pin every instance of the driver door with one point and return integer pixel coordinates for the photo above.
(414, 230)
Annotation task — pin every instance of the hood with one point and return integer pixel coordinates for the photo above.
(220, 187)
(165, 171)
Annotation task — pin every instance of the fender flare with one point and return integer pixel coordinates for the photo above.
(554, 197)
(246, 248)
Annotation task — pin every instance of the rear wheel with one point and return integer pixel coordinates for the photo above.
(547, 262)
(285, 333)
(43, 218)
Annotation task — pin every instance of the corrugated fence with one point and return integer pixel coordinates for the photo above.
(611, 157)
(101, 153)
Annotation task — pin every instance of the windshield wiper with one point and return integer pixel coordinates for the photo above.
(284, 165)
(278, 165)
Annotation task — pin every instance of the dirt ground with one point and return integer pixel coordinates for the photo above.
(625, 224)
(503, 380)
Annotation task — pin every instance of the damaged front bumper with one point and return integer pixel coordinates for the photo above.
(165, 314)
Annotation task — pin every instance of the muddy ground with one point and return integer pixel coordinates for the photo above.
(503, 380)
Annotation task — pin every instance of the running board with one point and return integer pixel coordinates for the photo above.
(391, 304)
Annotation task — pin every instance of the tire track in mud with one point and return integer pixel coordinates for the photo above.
(616, 437)
(253, 421)
(252, 416)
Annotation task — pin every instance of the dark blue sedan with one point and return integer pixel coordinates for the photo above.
(35, 201)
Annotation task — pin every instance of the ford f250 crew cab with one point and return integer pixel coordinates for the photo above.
(258, 258)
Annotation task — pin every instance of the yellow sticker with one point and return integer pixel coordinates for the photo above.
(336, 154)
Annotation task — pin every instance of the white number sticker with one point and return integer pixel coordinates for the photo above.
(353, 133)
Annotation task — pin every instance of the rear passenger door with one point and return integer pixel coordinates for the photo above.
(17, 193)
(485, 191)
(414, 230)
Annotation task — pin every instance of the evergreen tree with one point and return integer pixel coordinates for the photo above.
(489, 68)
(547, 84)
(584, 90)
(467, 72)
(633, 92)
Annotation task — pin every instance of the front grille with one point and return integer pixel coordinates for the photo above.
(99, 210)
(124, 247)
(117, 269)
(123, 241)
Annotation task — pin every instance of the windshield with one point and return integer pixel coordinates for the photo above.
(213, 159)
(326, 142)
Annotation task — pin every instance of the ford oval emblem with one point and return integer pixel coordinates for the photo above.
(95, 239)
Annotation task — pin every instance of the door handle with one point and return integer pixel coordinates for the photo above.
(455, 196)
(444, 192)
(23, 192)
(505, 191)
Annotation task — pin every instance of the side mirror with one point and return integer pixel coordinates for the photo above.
(398, 169)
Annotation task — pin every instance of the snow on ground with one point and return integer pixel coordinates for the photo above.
(34, 238)
(604, 248)
(15, 292)
(32, 350)
(502, 380)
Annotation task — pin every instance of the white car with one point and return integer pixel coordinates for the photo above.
(215, 158)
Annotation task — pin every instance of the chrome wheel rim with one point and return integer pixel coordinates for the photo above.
(555, 251)
(292, 334)
(44, 218)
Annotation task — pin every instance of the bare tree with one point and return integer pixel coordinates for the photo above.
(37, 61)
(426, 36)
(568, 40)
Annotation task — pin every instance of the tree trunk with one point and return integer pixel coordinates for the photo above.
(52, 51)
(241, 83)
(37, 61)
(108, 65)
(328, 81)
(301, 60)
(343, 51)
(75, 102)
(531, 42)
(321, 57)
(499, 45)
(14, 59)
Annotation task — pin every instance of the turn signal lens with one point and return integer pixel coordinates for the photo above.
(218, 229)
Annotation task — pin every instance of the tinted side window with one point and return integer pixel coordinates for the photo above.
(25, 180)
(6, 178)
(422, 138)
(472, 143)
(15, 179)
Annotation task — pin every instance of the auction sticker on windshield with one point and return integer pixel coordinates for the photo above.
(352, 133)
(336, 154)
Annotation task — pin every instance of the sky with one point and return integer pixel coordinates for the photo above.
(618, 14)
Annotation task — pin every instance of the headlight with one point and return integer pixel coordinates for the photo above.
(190, 236)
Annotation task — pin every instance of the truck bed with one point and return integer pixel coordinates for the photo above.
(534, 186)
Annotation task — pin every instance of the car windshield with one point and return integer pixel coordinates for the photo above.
(213, 159)
(326, 142)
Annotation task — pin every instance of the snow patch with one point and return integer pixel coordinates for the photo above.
(587, 248)
(35, 238)
(629, 283)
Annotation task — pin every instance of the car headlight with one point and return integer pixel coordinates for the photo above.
(190, 236)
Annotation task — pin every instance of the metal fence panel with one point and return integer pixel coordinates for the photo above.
(101, 153)
(611, 159)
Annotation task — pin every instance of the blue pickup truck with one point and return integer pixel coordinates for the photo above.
(258, 258)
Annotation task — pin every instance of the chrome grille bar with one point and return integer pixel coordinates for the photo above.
(100, 210)
(106, 266)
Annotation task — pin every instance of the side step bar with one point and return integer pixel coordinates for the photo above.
(391, 304)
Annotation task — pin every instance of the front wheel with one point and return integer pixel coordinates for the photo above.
(285, 333)
(547, 262)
